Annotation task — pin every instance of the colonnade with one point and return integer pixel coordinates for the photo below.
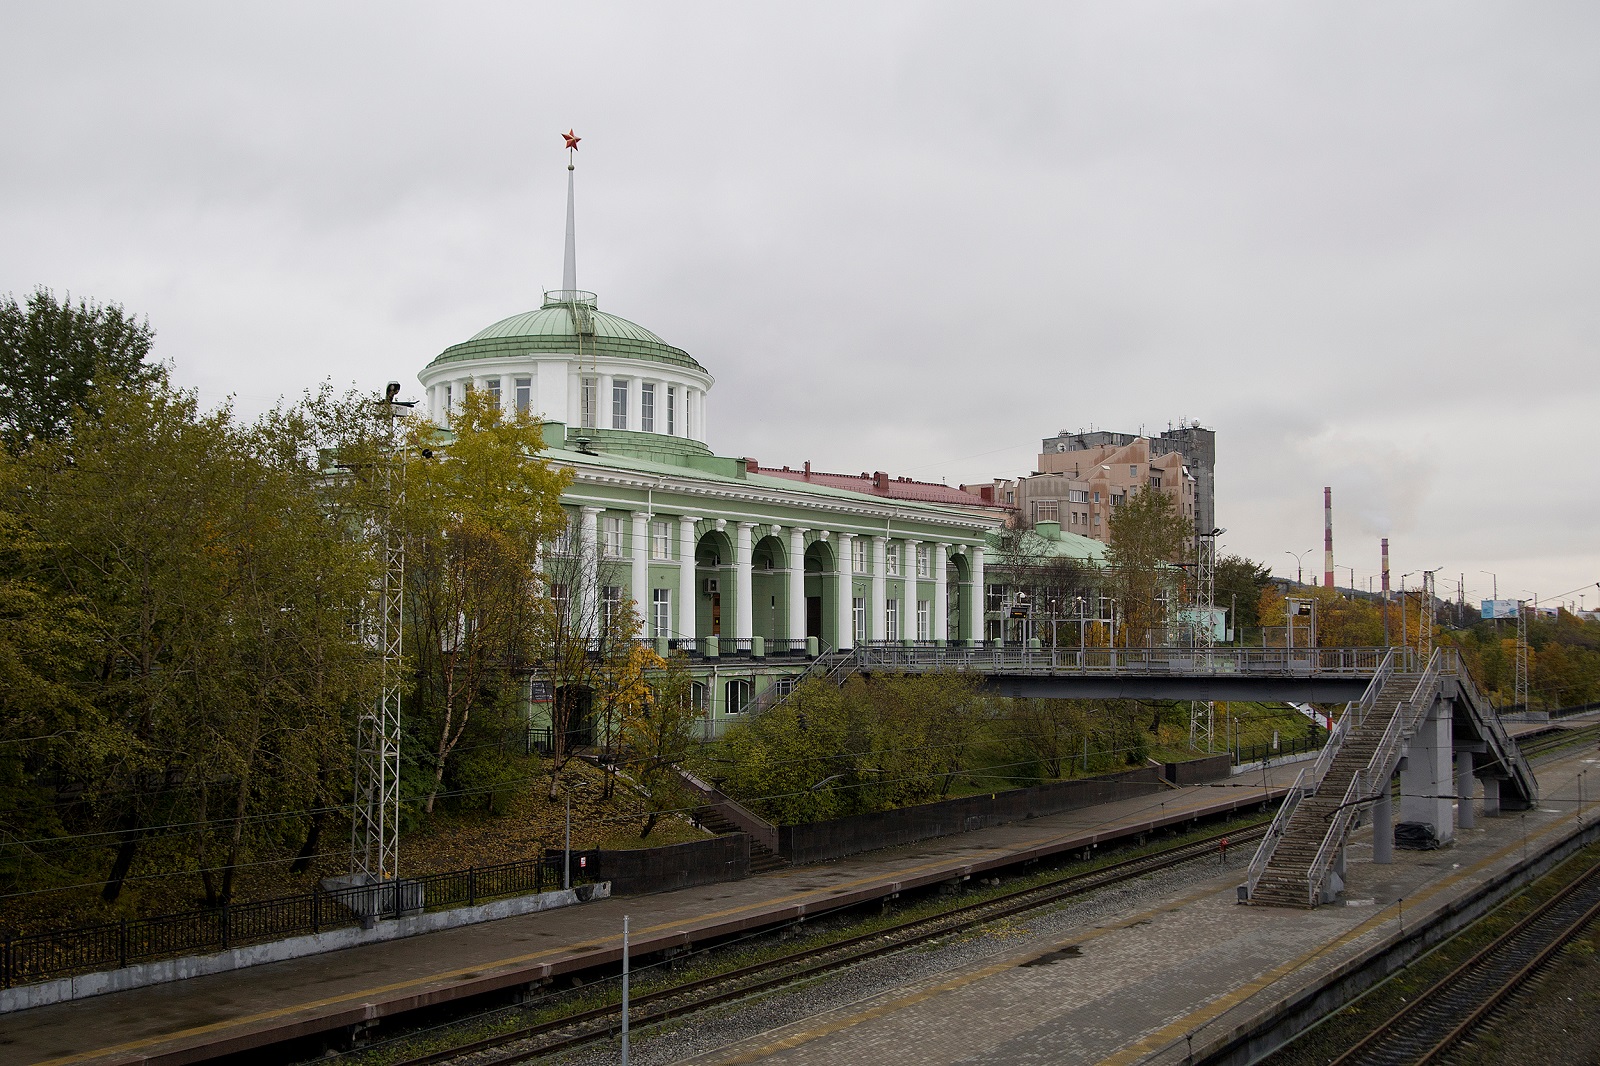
(928, 583)
(552, 390)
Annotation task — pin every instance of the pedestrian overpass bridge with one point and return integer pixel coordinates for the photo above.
(1424, 720)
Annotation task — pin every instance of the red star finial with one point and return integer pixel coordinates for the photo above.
(572, 140)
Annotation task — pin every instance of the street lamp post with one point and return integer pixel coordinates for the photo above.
(1299, 570)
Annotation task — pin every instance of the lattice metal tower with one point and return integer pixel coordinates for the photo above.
(375, 825)
(1425, 636)
(1202, 713)
(1520, 689)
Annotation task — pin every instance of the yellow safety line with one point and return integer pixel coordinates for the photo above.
(911, 999)
(1177, 1029)
(1170, 1033)
(477, 969)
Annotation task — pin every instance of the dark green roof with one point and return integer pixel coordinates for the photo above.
(567, 325)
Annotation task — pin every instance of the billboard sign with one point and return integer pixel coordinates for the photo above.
(1499, 609)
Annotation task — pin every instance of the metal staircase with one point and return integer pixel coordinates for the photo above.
(1295, 865)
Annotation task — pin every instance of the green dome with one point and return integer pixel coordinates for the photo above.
(568, 322)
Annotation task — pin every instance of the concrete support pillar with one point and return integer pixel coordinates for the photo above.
(939, 616)
(845, 624)
(1427, 784)
(1465, 818)
(975, 598)
(588, 549)
(797, 584)
(1383, 826)
(877, 608)
(639, 575)
(744, 618)
(1491, 797)
(908, 602)
(687, 600)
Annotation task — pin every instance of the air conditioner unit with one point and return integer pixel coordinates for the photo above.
(711, 585)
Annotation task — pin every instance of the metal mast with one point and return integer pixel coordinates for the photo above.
(1520, 691)
(1202, 716)
(1425, 637)
(375, 826)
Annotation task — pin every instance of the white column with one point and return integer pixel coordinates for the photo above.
(640, 578)
(908, 604)
(602, 414)
(845, 623)
(880, 588)
(938, 610)
(588, 549)
(744, 619)
(975, 597)
(634, 404)
(686, 590)
(508, 395)
(797, 584)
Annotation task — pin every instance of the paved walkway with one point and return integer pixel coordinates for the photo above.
(1142, 987)
(245, 1008)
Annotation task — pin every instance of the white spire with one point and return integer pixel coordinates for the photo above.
(569, 268)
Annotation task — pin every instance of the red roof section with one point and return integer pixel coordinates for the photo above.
(881, 484)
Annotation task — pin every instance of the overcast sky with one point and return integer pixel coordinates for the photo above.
(1360, 240)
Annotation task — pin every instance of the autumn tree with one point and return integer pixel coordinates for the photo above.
(53, 355)
(658, 733)
(477, 501)
(1147, 537)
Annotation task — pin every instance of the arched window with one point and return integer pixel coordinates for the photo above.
(738, 696)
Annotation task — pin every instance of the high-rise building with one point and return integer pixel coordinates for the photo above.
(1196, 444)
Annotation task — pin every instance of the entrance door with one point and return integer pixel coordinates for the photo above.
(814, 616)
(716, 614)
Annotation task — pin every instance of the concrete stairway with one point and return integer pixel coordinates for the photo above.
(762, 858)
(1286, 881)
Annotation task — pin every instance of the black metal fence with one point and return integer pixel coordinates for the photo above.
(1247, 753)
(112, 945)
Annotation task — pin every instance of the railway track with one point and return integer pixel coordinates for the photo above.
(1559, 739)
(1459, 1002)
(547, 1038)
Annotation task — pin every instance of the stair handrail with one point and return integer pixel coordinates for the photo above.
(1269, 843)
(1508, 750)
(1338, 827)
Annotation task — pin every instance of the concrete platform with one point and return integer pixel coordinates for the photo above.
(211, 1016)
(1186, 976)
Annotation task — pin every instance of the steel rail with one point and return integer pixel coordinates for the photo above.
(697, 995)
(1458, 1002)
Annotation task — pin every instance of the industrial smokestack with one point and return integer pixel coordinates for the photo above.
(1386, 569)
(1327, 536)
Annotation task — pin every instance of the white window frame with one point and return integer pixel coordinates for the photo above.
(858, 616)
(672, 410)
(492, 386)
(924, 561)
(610, 602)
(924, 620)
(858, 556)
(891, 560)
(661, 540)
(647, 407)
(891, 619)
(611, 538)
(524, 394)
(661, 612)
(619, 403)
(588, 402)
(736, 685)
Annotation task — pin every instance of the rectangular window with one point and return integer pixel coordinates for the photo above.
(1046, 511)
(1097, 497)
(924, 560)
(858, 556)
(619, 405)
(661, 612)
(1155, 481)
(493, 386)
(672, 411)
(858, 617)
(647, 407)
(1078, 495)
(660, 540)
(994, 597)
(891, 561)
(612, 545)
(565, 538)
(588, 401)
(1133, 471)
(924, 620)
(610, 601)
(560, 596)
(524, 395)
(449, 399)
(891, 620)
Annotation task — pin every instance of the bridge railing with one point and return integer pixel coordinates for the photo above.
(1018, 658)
(1506, 749)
